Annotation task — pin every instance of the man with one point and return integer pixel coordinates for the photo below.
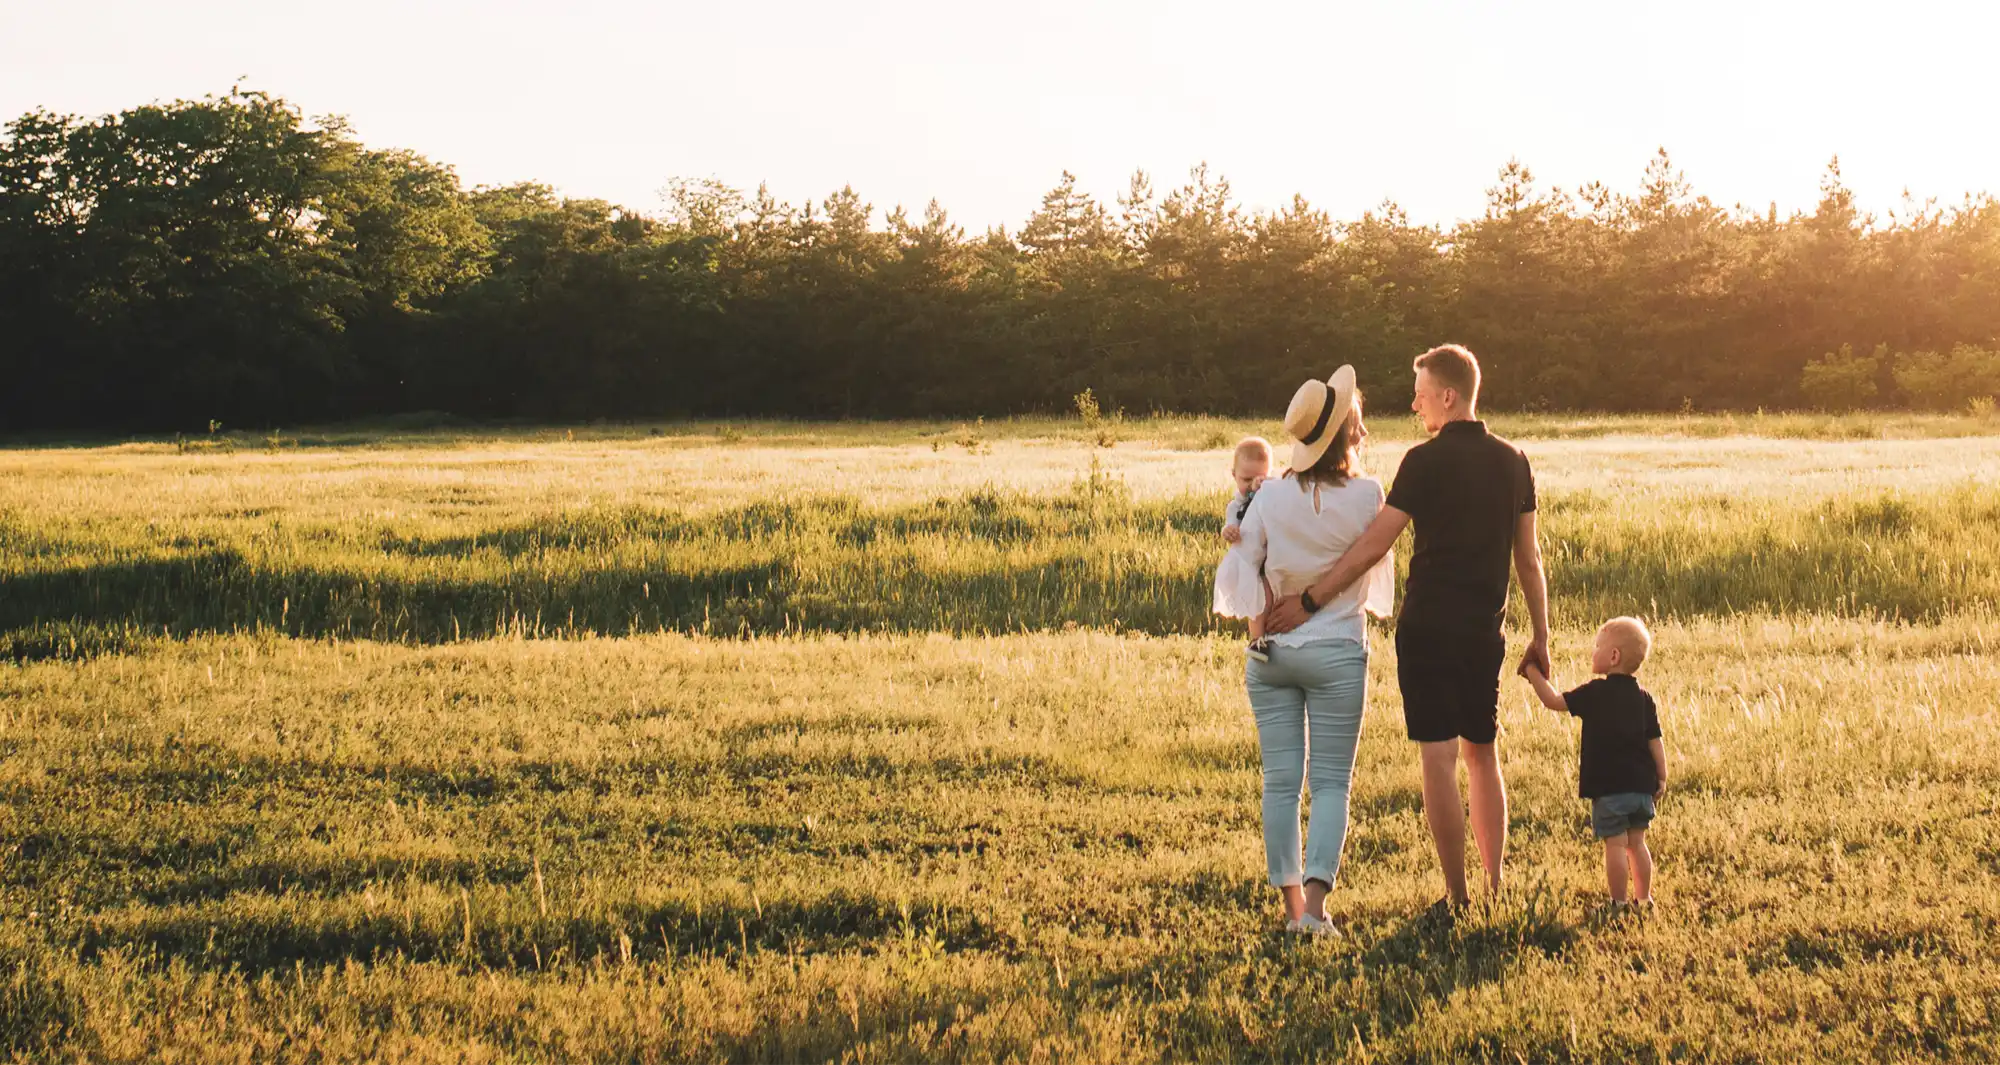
(1471, 496)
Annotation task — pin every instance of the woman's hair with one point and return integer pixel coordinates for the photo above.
(1342, 460)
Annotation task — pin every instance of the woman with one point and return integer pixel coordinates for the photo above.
(1309, 691)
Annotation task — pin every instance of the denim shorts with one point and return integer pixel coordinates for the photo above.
(1612, 815)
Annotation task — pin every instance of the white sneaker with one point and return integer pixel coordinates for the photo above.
(1309, 925)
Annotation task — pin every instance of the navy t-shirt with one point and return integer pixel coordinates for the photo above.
(1465, 491)
(1619, 721)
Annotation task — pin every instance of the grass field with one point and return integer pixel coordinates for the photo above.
(908, 742)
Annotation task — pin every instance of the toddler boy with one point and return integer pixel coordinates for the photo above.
(1623, 763)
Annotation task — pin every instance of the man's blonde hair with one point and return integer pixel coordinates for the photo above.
(1255, 447)
(1632, 639)
(1452, 366)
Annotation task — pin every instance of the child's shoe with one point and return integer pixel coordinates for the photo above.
(1259, 649)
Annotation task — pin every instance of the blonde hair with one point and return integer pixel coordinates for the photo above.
(1454, 367)
(1255, 447)
(1632, 639)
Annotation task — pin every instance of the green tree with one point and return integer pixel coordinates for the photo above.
(226, 258)
(1948, 382)
(202, 266)
(1841, 380)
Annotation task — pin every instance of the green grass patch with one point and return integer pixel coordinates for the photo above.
(920, 848)
(978, 564)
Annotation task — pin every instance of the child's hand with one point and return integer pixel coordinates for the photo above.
(1233, 533)
(1529, 671)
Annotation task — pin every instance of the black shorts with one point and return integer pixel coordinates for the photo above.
(1451, 682)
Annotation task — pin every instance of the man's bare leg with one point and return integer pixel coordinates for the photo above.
(1488, 796)
(1445, 811)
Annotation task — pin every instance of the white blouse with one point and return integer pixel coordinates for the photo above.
(1294, 532)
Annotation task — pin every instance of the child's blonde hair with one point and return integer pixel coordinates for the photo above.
(1255, 447)
(1632, 639)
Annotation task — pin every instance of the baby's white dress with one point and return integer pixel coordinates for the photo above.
(1239, 581)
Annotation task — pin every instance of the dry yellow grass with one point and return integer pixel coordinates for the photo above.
(917, 848)
(449, 480)
(865, 840)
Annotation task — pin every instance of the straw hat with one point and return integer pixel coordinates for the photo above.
(1317, 411)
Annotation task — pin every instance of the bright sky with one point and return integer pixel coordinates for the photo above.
(983, 106)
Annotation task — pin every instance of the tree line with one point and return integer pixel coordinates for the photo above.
(228, 259)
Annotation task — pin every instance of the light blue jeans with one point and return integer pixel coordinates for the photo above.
(1308, 702)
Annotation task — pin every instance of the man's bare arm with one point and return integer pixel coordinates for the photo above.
(1375, 541)
(1534, 588)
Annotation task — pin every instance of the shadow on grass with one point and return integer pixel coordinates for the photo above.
(39, 1007)
(972, 565)
(1425, 960)
(106, 607)
(508, 928)
(848, 724)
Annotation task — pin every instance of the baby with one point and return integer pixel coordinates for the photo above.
(1240, 591)
(1623, 762)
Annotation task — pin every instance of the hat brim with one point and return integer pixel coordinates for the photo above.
(1341, 389)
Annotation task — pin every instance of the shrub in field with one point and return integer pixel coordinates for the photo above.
(1103, 430)
(1087, 408)
(1841, 380)
(1948, 382)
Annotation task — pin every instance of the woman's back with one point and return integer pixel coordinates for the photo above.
(1298, 528)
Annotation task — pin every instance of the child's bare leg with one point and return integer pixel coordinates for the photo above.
(1614, 866)
(1257, 621)
(1642, 864)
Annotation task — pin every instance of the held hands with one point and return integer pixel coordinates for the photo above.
(1232, 533)
(1538, 678)
(1537, 657)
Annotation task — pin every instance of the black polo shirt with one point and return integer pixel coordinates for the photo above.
(1619, 721)
(1465, 491)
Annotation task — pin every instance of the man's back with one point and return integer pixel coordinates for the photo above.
(1465, 491)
